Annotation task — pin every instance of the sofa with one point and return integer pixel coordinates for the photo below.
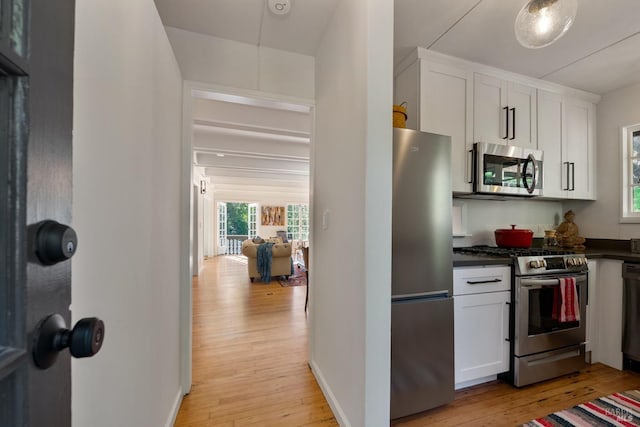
(280, 258)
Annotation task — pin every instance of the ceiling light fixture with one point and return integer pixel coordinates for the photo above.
(541, 22)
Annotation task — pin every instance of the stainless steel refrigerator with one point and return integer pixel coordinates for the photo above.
(422, 375)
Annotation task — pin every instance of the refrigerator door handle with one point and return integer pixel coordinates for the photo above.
(443, 293)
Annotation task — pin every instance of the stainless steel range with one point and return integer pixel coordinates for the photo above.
(549, 298)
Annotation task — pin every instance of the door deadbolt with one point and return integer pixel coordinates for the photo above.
(52, 336)
(55, 242)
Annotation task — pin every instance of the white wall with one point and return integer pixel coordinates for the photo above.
(483, 217)
(350, 301)
(127, 135)
(600, 219)
(209, 59)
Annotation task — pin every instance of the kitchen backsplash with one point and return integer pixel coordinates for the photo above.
(477, 219)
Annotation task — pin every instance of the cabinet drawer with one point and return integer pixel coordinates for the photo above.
(474, 280)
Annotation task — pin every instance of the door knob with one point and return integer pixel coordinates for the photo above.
(52, 336)
(55, 242)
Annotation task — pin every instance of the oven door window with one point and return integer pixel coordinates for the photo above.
(545, 304)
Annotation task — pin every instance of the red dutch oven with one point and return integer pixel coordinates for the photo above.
(513, 238)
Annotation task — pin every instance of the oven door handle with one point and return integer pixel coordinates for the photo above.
(539, 283)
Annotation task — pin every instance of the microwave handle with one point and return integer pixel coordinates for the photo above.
(532, 160)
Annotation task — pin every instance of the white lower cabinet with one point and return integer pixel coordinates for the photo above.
(481, 323)
(591, 345)
(608, 314)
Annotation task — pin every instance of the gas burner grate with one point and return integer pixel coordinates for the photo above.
(509, 252)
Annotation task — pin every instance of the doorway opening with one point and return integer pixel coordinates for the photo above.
(252, 150)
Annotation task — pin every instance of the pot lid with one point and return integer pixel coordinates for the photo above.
(514, 229)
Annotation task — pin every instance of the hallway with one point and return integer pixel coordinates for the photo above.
(249, 353)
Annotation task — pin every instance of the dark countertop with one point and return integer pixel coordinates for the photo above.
(596, 249)
(610, 249)
(465, 260)
(626, 256)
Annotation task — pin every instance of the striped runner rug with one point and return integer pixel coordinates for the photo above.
(617, 409)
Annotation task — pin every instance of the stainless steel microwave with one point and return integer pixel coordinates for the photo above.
(507, 170)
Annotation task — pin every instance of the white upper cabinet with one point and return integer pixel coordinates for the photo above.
(504, 112)
(550, 141)
(489, 118)
(578, 129)
(474, 103)
(521, 100)
(565, 134)
(442, 107)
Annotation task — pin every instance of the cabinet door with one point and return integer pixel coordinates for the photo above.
(578, 117)
(550, 141)
(592, 309)
(490, 119)
(443, 109)
(521, 100)
(481, 325)
(609, 314)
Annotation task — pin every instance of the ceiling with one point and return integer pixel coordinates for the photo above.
(252, 149)
(600, 53)
(249, 21)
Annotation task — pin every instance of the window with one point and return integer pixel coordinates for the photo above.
(631, 174)
(298, 222)
(253, 215)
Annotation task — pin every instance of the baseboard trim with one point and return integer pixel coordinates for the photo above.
(175, 408)
(328, 394)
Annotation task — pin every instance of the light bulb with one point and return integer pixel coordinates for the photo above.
(541, 22)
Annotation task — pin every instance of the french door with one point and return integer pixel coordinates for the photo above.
(223, 243)
(253, 220)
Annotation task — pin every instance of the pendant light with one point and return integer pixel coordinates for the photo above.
(541, 22)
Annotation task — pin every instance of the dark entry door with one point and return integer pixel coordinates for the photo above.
(36, 85)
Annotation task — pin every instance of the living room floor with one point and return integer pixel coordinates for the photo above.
(250, 365)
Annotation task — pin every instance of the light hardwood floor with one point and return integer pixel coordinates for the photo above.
(249, 353)
(499, 404)
(250, 366)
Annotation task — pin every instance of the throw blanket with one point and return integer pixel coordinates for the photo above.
(617, 409)
(263, 260)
